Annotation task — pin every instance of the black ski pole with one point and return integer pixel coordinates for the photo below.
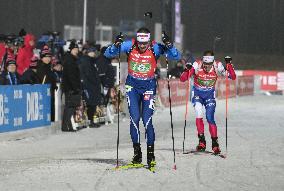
(118, 103)
(172, 127)
(185, 116)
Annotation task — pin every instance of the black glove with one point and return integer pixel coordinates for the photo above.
(166, 40)
(118, 40)
(228, 60)
(188, 66)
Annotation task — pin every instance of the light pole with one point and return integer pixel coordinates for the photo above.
(84, 21)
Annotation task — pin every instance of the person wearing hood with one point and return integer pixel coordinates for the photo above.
(10, 75)
(25, 53)
(91, 83)
(7, 50)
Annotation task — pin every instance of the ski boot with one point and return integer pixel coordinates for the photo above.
(151, 158)
(215, 145)
(202, 143)
(137, 158)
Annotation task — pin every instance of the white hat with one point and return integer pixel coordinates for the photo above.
(208, 59)
(143, 37)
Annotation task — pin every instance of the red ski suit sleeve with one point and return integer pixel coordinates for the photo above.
(186, 74)
(231, 71)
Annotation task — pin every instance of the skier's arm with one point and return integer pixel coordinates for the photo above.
(172, 53)
(186, 74)
(188, 71)
(229, 67)
(231, 71)
(113, 50)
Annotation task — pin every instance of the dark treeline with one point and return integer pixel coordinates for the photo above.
(245, 26)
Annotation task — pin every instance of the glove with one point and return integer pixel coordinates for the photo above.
(188, 66)
(228, 60)
(118, 40)
(166, 40)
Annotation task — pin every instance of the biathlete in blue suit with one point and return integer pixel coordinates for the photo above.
(142, 55)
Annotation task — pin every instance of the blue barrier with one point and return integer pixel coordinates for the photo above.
(24, 106)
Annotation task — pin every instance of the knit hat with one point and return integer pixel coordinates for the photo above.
(10, 61)
(91, 49)
(34, 61)
(45, 52)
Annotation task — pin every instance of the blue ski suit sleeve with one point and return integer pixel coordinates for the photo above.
(112, 51)
(172, 53)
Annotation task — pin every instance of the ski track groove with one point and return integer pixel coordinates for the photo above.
(70, 186)
(198, 176)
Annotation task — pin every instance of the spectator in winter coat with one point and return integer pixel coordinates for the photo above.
(46, 75)
(177, 70)
(57, 69)
(7, 50)
(30, 76)
(106, 73)
(10, 75)
(25, 53)
(71, 86)
(91, 83)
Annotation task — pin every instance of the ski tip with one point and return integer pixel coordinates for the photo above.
(223, 156)
(175, 167)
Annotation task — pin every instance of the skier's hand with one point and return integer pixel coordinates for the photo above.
(166, 40)
(188, 66)
(118, 40)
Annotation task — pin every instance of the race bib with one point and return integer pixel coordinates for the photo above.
(140, 67)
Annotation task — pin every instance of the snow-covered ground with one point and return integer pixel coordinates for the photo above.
(81, 161)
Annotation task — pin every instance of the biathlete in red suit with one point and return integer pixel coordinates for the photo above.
(205, 73)
(142, 55)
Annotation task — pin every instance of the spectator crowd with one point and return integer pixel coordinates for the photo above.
(82, 71)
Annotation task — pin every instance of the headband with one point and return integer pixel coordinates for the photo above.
(143, 37)
(208, 59)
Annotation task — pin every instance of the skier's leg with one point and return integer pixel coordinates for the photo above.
(198, 107)
(148, 110)
(210, 112)
(134, 101)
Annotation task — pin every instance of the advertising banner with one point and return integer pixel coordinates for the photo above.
(24, 106)
(245, 85)
(268, 78)
(178, 92)
(221, 88)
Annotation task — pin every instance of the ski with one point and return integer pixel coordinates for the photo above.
(152, 166)
(152, 169)
(205, 152)
(135, 166)
(129, 166)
